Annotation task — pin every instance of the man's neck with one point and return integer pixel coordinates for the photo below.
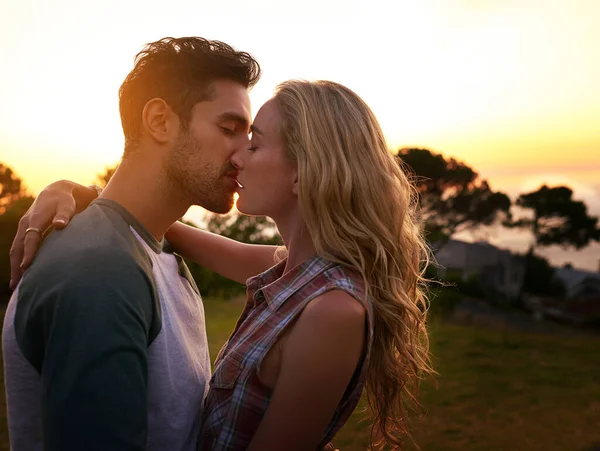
(143, 190)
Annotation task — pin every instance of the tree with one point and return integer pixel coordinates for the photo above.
(14, 202)
(540, 278)
(452, 196)
(556, 218)
(11, 188)
(247, 229)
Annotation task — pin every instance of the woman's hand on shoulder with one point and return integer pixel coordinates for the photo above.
(318, 360)
(54, 206)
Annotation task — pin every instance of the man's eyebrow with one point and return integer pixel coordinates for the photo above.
(235, 117)
(255, 129)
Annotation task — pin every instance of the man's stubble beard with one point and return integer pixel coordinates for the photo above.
(198, 181)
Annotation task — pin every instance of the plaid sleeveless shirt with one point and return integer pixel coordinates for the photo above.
(237, 399)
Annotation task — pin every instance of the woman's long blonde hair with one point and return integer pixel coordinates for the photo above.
(359, 207)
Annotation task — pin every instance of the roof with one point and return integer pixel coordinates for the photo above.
(573, 278)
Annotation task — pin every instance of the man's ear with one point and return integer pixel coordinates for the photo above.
(159, 121)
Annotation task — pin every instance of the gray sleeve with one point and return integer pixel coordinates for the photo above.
(85, 327)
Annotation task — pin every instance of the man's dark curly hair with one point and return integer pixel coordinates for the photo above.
(179, 71)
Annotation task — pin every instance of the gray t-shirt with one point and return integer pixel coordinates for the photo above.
(104, 342)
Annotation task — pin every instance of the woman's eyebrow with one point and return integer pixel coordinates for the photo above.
(255, 129)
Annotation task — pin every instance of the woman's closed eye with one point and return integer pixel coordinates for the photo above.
(252, 148)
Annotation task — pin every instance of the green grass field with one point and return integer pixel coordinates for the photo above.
(497, 390)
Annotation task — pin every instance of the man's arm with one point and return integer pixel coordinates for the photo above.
(87, 334)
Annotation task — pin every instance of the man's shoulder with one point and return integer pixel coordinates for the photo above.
(97, 236)
(82, 274)
(97, 227)
(92, 275)
(97, 247)
(89, 284)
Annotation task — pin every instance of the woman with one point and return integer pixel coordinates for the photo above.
(344, 309)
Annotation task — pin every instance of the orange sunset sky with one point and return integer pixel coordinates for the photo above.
(511, 87)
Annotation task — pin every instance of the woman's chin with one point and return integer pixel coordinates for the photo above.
(242, 208)
(247, 210)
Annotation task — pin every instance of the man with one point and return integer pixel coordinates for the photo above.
(104, 340)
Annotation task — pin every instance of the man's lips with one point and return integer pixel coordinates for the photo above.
(233, 176)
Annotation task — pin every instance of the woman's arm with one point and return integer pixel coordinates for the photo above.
(232, 259)
(317, 363)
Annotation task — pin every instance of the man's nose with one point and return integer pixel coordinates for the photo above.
(236, 159)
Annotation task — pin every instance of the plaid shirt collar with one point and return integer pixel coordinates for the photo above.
(275, 287)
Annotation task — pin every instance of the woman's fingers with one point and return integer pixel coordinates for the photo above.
(64, 212)
(16, 253)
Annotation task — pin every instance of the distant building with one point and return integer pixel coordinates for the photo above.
(497, 269)
(579, 284)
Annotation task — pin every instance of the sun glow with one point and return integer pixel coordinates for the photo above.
(509, 87)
